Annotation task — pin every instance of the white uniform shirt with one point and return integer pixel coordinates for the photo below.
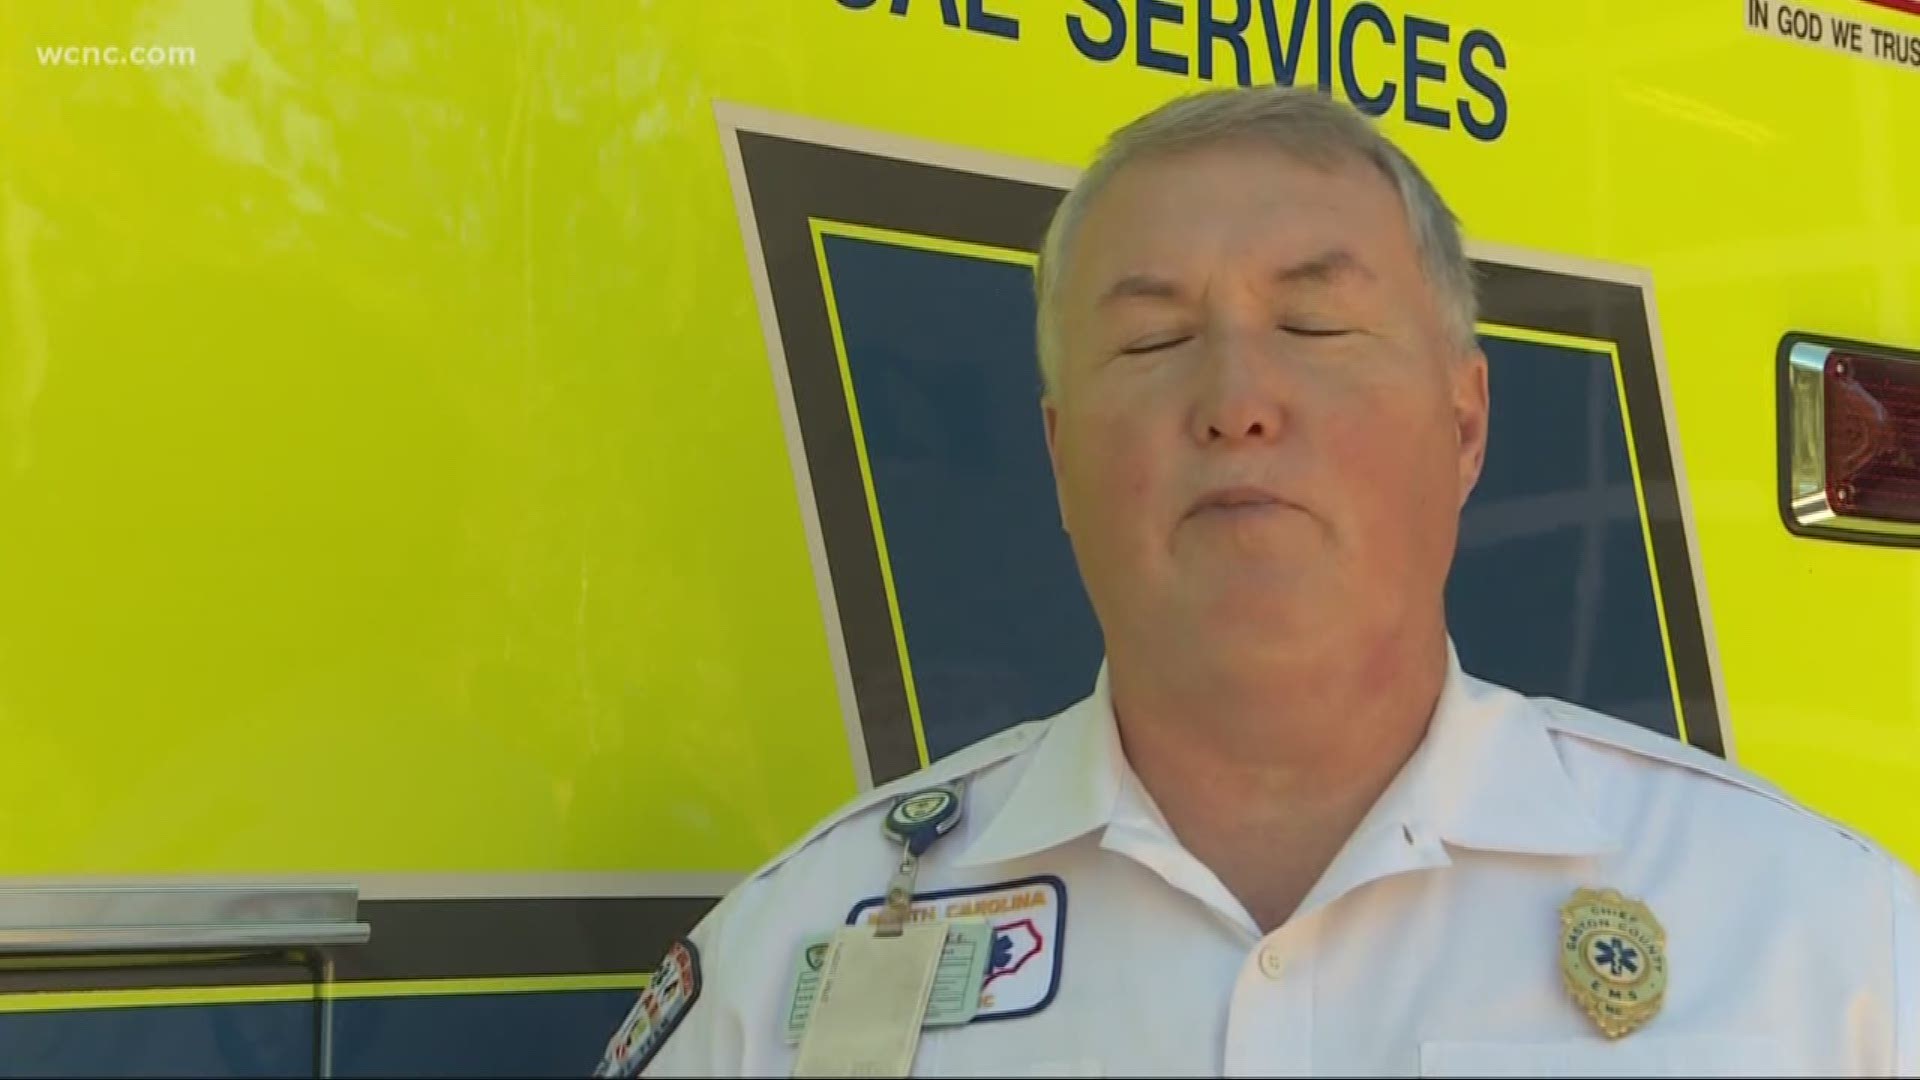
(1430, 946)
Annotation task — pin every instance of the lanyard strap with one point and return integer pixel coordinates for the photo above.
(915, 821)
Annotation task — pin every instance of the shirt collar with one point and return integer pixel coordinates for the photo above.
(1489, 776)
(1072, 779)
(1486, 777)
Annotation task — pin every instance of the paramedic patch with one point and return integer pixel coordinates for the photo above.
(672, 990)
(1029, 919)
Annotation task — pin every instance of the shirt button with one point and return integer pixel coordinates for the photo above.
(1270, 963)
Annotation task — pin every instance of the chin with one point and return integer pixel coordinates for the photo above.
(1282, 602)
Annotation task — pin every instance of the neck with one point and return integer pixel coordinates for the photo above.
(1265, 761)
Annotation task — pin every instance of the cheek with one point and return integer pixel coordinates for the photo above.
(1113, 468)
(1133, 477)
(1103, 474)
(1396, 466)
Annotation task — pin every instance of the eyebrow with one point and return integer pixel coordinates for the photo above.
(1140, 286)
(1322, 268)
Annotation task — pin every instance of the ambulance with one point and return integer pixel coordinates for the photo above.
(478, 479)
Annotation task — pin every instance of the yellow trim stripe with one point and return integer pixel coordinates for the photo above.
(917, 242)
(1612, 350)
(821, 229)
(58, 1000)
(1529, 335)
(866, 482)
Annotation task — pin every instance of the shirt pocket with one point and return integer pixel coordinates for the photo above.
(1680, 1055)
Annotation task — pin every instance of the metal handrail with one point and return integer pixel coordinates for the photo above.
(79, 919)
(307, 919)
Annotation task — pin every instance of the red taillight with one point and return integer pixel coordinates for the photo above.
(1911, 7)
(1873, 436)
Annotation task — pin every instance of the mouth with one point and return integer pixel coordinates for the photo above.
(1243, 499)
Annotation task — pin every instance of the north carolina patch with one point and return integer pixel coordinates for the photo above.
(1029, 919)
(670, 992)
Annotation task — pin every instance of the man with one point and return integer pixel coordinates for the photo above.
(1286, 834)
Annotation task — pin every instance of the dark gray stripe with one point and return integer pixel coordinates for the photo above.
(417, 939)
(420, 939)
(789, 181)
(51, 974)
(1617, 312)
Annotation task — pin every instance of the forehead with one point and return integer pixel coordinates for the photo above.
(1196, 210)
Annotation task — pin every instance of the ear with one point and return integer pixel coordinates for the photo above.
(1470, 414)
(1050, 415)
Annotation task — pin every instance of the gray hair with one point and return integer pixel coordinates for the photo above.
(1304, 124)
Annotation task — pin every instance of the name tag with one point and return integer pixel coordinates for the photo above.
(1029, 921)
(955, 998)
(871, 1003)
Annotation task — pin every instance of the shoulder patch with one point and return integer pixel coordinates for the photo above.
(1586, 725)
(669, 994)
(960, 764)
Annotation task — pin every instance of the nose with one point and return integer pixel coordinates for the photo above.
(1240, 399)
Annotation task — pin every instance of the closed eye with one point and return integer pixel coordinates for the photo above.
(1309, 331)
(1155, 345)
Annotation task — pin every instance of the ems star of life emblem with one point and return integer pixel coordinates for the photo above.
(1613, 955)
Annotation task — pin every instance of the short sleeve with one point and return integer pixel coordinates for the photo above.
(1906, 973)
(689, 1031)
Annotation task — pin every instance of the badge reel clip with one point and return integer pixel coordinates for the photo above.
(915, 821)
